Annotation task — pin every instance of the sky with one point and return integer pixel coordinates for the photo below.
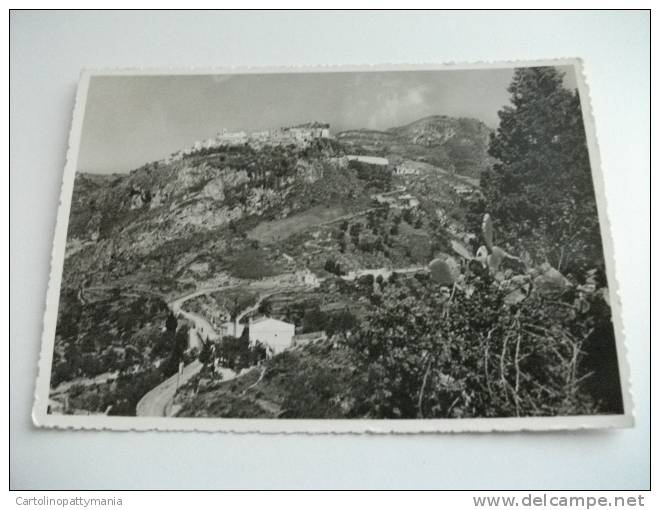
(132, 120)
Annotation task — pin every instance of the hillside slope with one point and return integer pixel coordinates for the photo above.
(168, 221)
(458, 144)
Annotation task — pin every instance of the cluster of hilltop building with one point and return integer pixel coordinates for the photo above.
(300, 136)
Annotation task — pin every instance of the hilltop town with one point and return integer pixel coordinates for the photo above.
(301, 136)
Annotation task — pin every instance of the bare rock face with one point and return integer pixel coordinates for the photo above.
(260, 199)
(136, 202)
(214, 189)
(157, 199)
(424, 136)
(190, 176)
(308, 171)
(232, 178)
(450, 143)
(200, 214)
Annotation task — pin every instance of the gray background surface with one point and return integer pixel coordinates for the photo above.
(48, 49)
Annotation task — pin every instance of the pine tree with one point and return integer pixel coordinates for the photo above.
(540, 191)
(171, 323)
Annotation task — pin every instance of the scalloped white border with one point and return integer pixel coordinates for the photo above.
(233, 425)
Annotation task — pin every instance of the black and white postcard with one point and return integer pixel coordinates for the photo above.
(388, 249)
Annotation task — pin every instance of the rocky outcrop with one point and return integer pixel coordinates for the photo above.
(458, 144)
(308, 171)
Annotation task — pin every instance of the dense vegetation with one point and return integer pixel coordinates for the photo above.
(113, 332)
(509, 315)
(112, 348)
(521, 328)
(540, 192)
(424, 351)
(426, 354)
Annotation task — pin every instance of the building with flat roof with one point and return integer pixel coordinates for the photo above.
(275, 334)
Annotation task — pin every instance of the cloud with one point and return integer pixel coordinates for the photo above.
(393, 107)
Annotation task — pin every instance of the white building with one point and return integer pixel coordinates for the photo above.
(354, 275)
(225, 137)
(259, 136)
(372, 160)
(408, 201)
(301, 136)
(406, 169)
(276, 335)
(463, 189)
(306, 277)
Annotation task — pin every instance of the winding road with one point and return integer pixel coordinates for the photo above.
(157, 402)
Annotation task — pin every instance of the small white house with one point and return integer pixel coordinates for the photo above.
(408, 201)
(275, 334)
(306, 277)
(463, 190)
(406, 169)
(372, 160)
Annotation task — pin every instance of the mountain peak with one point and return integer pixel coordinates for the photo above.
(454, 143)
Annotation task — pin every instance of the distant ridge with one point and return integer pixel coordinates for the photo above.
(456, 144)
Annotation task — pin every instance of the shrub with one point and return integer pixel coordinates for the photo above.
(426, 354)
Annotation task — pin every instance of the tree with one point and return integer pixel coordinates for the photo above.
(354, 231)
(331, 266)
(181, 341)
(340, 322)
(313, 320)
(237, 353)
(230, 351)
(171, 323)
(366, 282)
(540, 191)
(205, 354)
(265, 307)
(178, 345)
(238, 303)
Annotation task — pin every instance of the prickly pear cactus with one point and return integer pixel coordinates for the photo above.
(487, 231)
(496, 257)
(482, 255)
(461, 250)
